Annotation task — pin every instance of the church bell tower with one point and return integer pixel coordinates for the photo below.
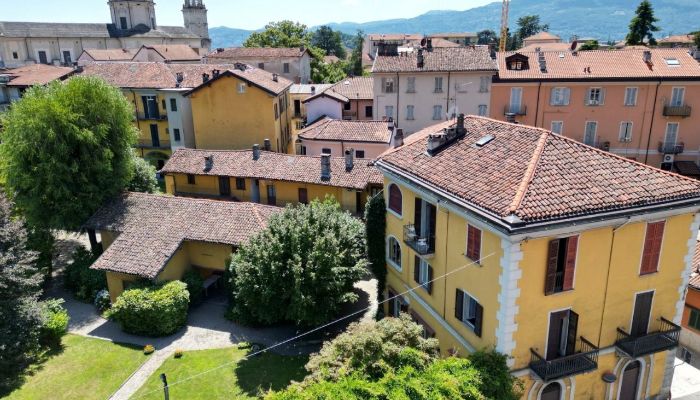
(194, 13)
(128, 14)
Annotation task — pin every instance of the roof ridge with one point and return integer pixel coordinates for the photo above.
(529, 173)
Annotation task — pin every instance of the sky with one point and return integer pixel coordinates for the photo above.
(236, 13)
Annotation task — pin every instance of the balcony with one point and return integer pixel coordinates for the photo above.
(420, 244)
(349, 114)
(151, 117)
(515, 109)
(148, 144)
(677, 111)
(671, 148)
(664, 338)
(578, 363)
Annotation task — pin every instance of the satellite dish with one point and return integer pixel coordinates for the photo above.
(423, 42)
(574, 44)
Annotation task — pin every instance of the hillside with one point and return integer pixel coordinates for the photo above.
(603, 19)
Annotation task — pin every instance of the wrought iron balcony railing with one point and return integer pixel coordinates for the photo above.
(665, 337)
(421, 244)
(584, 361)
(515, 109)
(671, 148)
(151, 117)
(148, 144)
(677, 111)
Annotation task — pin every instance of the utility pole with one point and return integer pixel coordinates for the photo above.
(166, 391)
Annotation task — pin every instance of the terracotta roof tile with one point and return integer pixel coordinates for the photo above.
(151, 75)
(242, 53)
(268, 81)
(348, 131)
(436, 42)
(175, 52)
(534, 174)
(273, 166)
(36, 74)
(110, 54)
(544, 35)
(394, 36)
(468, 58)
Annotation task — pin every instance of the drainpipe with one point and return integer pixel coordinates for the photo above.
(537, 106)
(447, 102)
(651, 124)
(398, 108)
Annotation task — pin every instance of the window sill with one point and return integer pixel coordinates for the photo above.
(648, 273)
(559, 105)
(394, 213)
(410, 91)
(438, 91)
(394, 266)
(475, 262)
(560, 292)
(410, 119)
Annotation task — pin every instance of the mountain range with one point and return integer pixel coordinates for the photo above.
(601, 19)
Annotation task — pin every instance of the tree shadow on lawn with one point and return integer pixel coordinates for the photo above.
(15, 381)
(269, 371)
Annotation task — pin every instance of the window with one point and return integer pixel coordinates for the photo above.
(411, 84)
(162, 102)
(43, 58)
(388, 85)
(277, 112)
(516, 98)
(473, 243)
(409, 112)
(190, 179)
(631, 96)
(423, 274)
(150, 107)
(15, 55)
(437, 112)
(438, 84)
(652, 247)
(397, 304)
(560, 96)
(326, 150)
(561, 338)
(469, 311)
(240, 183)
(672, 62)
(561, 265)
(271, 195)
(285, 68)
(389, 111)
(224, 186)
(625, 131)
(368, 112)
(241, 87)
(122, 22)
(395, 199)
(483, 109)
(557, 127)
(176, 134)
(173, 105)
(590, 133)
(484, 84)
(694, 320)
(67, 58)
(394, 253)
(261, 65)
(303, 196)
(347, 106)
(360, 153)
(671, 136)
(595, 97)
(677, 95)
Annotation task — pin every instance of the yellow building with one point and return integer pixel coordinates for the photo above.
(158, 238)
(271, 178)
(570, 260)
(241, 106)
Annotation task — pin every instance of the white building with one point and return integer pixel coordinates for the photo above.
(133, 25)
(364, 139)
(420, 87)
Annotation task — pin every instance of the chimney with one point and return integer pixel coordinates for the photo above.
(492, 49)
(274, 78)
(349, 159)
(313, 89)
(179, 77)
(205, 77)
(256, 151)
(325, 167)
(429, 44)
(420, 59)
(460, 125)
(220, 50)
(398, 138)
(208, 162)
(647, 56)
(266, 145)
(240, 66)
(510, 117)
(215, 73)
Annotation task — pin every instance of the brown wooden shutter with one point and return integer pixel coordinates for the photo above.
(416, 269)
(478, 319)
(429, 285)
(570, 264)
(459, 304)
(395, 200)
(652, 247)
(551, 277)
(642, 313)
(571, 334)
(432, 225)
(474, 243)
(417, 215)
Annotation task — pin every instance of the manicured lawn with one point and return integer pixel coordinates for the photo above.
(243, 379)
(85, 368)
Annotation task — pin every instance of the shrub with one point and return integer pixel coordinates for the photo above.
(375, 230)
(148, 349)
(195, 285)
(55, 323)
(178, 353)
(497, 382)
(144, 177)
(152, 310)
(82, 281)
(102, 300)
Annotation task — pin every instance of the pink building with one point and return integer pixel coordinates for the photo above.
(635, 103)
(366, 139)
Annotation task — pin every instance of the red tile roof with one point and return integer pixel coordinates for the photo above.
(603, 64)
(268, 81)
(457, 59)
(394, 36)
(174, 52)
(243, 53)
(109, 54)
(151, 75)
(528, 174)
(151, 228)
(351, 88)
(273, 166)
(544, 35)
(36, 74)
(348, 131)
(436, 42)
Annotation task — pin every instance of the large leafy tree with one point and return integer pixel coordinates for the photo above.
(280, 34)
(20, 287)
(67, 147)
(528, 25)
(143, 178)
(330, 41)
(643, 25)
(355, 67)
(301, 268)
(486, 36)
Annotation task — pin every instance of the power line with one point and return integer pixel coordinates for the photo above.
(278, 344)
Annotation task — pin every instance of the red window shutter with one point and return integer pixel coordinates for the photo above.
(570, 266)
(395, 201)
(474, 243)
(652, 247)
(551, 275)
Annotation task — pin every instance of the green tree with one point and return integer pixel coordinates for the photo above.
(330, 41)
(643, 25)
(67, 148)
(590, 45)
(20, 288)
(696, 38)
(355, 67)
(143, 178)
(300, 269)
(486, 36)
(375, 229)
(496, 379)
(528, 25)
(280, 34)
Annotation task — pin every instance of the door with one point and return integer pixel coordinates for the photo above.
(630, 381)
(271, 195)
(224, 186)
(671, 136)
(516, 98)
(297, 108)
(677, 96)
(154, 135)
(303, 196)
(43, 59)
(642, 311)
(551, 392)
(561, 340)
(255, 196)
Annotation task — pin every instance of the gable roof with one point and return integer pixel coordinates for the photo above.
(173, 52)
(243, 53)
(529, 175)
(267, 81)
(36, 74)
(108, 54)
(308, 88)
(544, 35)
(348, 131)
(394, 36)
(272, 166)
(457, 59)
(87, 30)
(604, 64)
(151, 75)
(151, 228)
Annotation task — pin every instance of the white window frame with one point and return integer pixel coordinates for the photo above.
(241, 87)
(467, 310)
(595, 100)
(409, 112)
(389, 261)
(631, 100)
(438, 85)
(387, 113)
(557, 123)
(677, 128)
(626, 137)
(411, 84)
(516, 93)
(423, 276)
(388, 85)
(437, 112)
(560, 96)
(586, 130)
(674, 90)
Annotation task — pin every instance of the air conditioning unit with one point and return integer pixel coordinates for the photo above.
(668, 158)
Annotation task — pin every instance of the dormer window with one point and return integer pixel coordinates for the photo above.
(517, 62)
(672, 62)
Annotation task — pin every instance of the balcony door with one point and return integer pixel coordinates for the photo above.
(630, 381)
(150, 107)
(561, 340)
(154, 135)
(516, 99)
(642, 311)
(677, 95)
(671, 136)
(424, 221)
